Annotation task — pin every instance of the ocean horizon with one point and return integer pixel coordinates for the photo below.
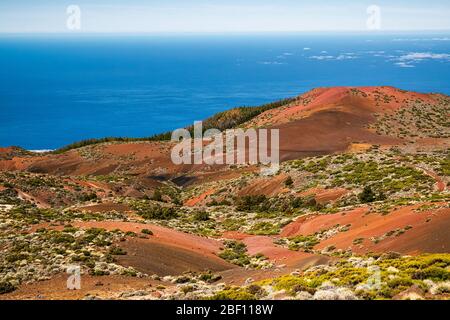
(58, 89)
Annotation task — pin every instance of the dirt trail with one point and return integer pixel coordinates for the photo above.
(196, 200)
(40, 203)
(440, 184)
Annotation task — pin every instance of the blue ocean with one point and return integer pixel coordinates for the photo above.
(58, 89)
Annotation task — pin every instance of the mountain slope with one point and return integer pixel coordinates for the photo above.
(371, 175)
(322, 121)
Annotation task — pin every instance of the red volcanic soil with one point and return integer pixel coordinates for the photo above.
(146, 158)
(429, 232)
(104, 159)
(328, 131)
(432, 236)
(239, 276)
(40, 200)
(107, 207)
(322, 121)
(156, 257)
(162, 234)
(265, 186)
(329, 120)
(325, 195)
(149, 162)
(56, 287)
(200, 199)
(166, 252)
(310, 224)
(16, 163)
(362, 98)
(440, 184)
(275, 253)
(102, 186)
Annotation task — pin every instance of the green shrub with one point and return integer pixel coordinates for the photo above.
(157, 195)
(210, 277)
(251, 202)
(305, 242)
(158, 212)
(117, 251)
(88, 196)
(147, 231)
(234, 294)
(264, 228)
(6, 287)
(63, 238)
(434, 273)
(235, 252)
(289, 182)
(201, 216)
(367, 195)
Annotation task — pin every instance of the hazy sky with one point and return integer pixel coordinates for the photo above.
(221, 15)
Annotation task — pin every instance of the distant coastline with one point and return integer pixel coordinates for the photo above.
(142, 85)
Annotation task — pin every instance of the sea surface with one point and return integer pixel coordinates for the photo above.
(57, 89)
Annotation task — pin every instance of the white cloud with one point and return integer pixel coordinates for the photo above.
(408, 60)
(420, 39)
(404, 65)
(285, 55)
(322, 57)
(420, 56)
(271, 63)
(343, 56)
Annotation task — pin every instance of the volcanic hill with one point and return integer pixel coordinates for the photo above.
(364, 181)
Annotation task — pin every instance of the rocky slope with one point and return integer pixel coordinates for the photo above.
(363, 186)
